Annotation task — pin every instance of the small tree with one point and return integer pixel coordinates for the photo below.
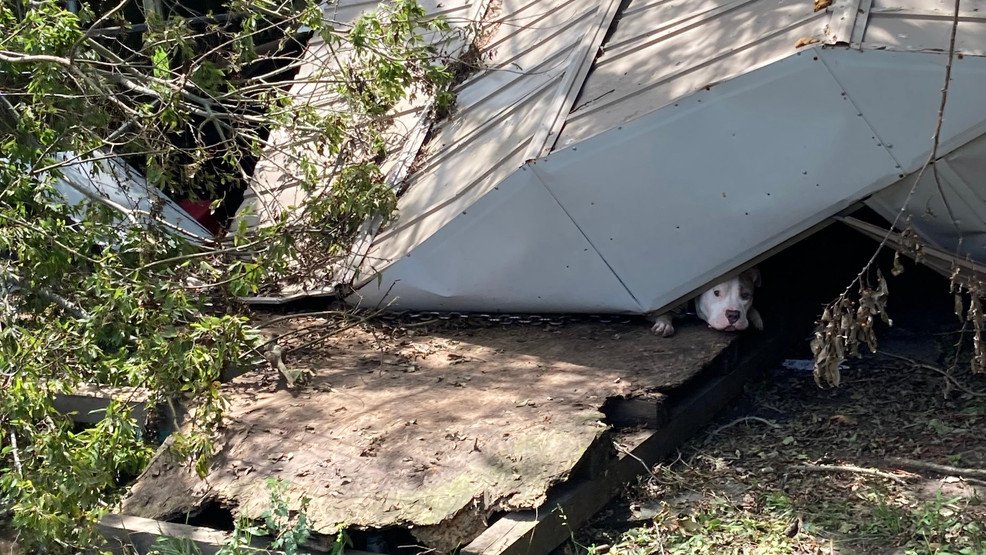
(189, 99)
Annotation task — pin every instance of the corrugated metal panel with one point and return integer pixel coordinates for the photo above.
(113, 182)
(700, 139)
(703, 187)
(944, 262)
(663, 51)
(579, 63)
(274, 187)
(513, 250)
(698, 188)
(922, 25)
(505, 113)
(859, 28)
(961, 196)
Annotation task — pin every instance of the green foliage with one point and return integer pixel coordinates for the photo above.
(280, 530)
(86, 297)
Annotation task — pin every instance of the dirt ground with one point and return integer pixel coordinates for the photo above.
(762, 479)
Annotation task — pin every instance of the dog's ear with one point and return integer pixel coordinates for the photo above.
(753, 274)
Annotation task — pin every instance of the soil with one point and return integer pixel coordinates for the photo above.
(760, 479)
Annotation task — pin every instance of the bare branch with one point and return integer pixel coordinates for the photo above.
(911, 464)
(850, 469)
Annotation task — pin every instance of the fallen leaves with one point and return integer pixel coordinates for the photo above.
(844, 325)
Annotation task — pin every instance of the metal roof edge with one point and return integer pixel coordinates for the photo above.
(582, 60)
(843, 20)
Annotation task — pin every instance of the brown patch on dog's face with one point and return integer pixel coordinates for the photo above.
(725, 306)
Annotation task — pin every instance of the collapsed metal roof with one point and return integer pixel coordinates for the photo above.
(109, 180)
(616, 157)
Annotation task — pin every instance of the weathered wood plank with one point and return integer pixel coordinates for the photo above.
(140, 534)
(537, 532)
(130, 534)
(649, 412)
(434, 432)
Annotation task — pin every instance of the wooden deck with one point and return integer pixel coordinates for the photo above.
(436, 432)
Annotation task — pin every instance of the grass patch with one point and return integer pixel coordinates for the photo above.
(743, 488)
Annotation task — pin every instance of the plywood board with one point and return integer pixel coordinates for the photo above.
(434, 432)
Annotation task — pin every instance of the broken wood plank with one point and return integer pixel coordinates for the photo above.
(434, 431)
(134, 534)
(573, 503)
(140, 534)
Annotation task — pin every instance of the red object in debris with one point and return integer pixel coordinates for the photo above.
(199, 209)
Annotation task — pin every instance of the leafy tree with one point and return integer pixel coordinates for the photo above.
(93, 296)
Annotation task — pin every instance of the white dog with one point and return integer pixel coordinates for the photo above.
(727, 306)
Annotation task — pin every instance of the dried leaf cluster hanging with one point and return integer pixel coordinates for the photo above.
(844, 325)
(972, 314)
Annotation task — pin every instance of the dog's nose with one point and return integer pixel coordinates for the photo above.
(732, 316)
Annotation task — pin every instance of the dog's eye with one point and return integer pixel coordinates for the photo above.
(745, 296)
(716, 292)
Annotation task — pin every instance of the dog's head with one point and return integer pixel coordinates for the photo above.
(725, 306)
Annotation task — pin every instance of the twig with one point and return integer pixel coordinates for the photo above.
(849, 468)
(770, 423)
(948, 377)
(16, 453)
(335, 331)
(419, 324)
(911, 464)
(11, 283)
(273, 321)
(935, 142)
(627, 452)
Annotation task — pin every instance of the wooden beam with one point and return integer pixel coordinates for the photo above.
(623, 413)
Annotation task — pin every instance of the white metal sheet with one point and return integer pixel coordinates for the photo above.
(842, 20)
(667, 51)
(922, 25)
(700, 139)
(899, 93)
(951, 217)
(114, 183)
(535, 49)
(513, 250)
(579, 63)
(274, 187)
(698, 188)
(443, 190)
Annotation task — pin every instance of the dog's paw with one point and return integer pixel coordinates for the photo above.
(755, 319)
(662, 326)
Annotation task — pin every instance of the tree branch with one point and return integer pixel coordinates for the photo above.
(911, 464)
(850, 469)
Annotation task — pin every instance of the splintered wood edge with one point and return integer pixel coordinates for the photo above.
(540, 531)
